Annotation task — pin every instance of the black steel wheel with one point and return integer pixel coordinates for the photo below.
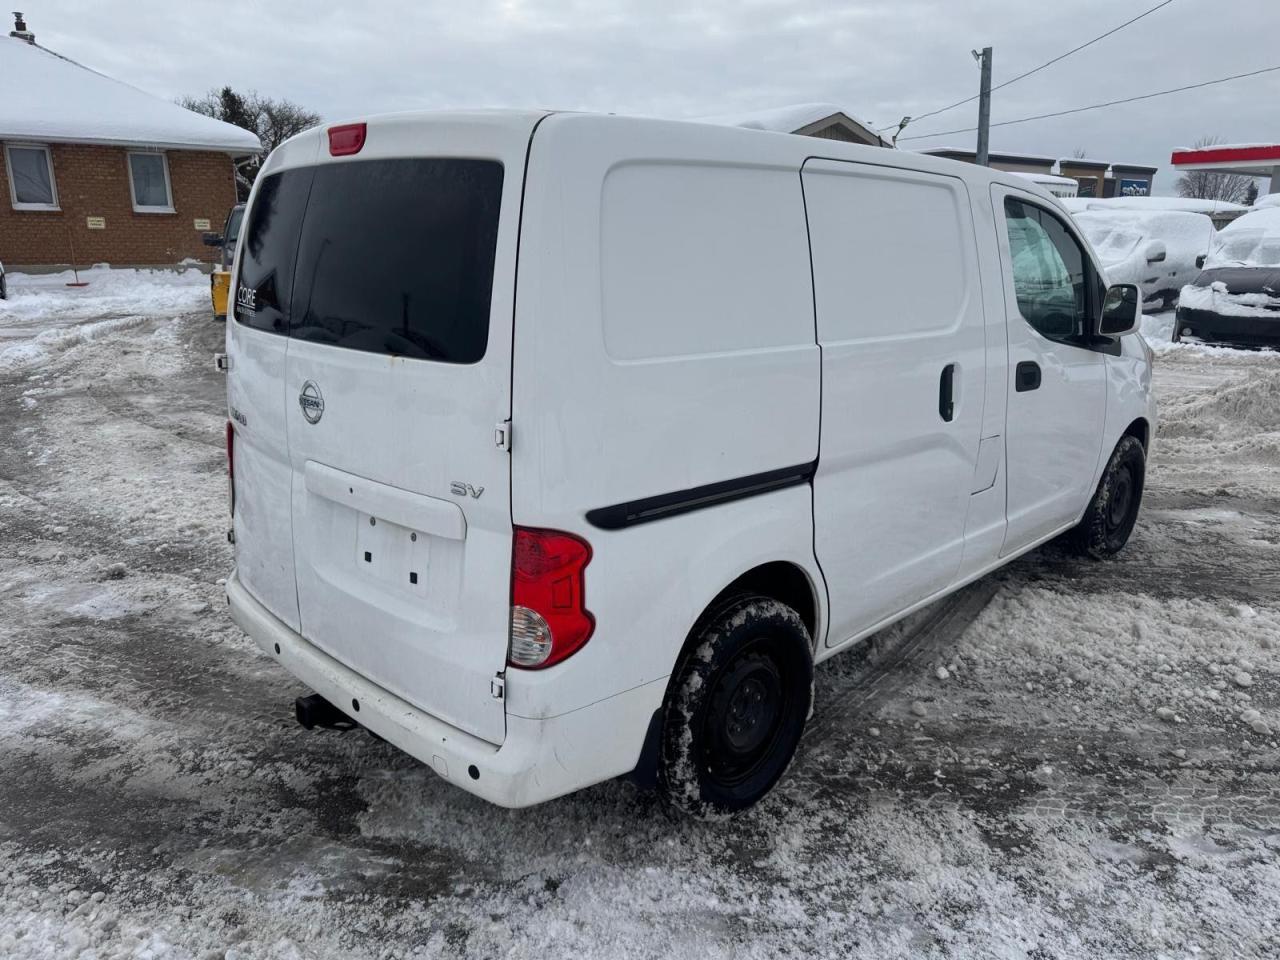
(1109, 520)
(736, 708)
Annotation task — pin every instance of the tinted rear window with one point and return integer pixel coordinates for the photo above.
(265, 283)
(396, 256)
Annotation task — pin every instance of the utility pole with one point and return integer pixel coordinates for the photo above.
(984, 106)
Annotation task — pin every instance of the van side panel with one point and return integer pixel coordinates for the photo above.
(663, 341)
(901, 323)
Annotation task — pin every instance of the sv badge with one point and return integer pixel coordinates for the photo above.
(459, 489)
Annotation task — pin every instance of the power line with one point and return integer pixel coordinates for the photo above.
(1047, 63)
(1096, 106)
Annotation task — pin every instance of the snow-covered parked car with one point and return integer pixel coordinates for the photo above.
(1236, 297)
(1158, 251)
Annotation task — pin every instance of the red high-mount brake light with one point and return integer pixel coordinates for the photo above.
(346, 139)
(549, 616)
(231, 466)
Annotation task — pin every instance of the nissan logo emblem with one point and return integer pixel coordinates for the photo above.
(311, 400)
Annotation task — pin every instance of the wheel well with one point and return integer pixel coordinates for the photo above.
(784, 582)
(1140, 429)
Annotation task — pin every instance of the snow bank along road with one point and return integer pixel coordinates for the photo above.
(1068, 759)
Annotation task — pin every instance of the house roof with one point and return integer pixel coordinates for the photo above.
(49, 98)
(793, 119)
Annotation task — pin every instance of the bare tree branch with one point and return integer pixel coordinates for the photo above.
(273, 120)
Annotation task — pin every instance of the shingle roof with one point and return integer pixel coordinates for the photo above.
(49, 98)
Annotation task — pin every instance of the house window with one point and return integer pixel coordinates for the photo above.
(31, 185)
(149, 183)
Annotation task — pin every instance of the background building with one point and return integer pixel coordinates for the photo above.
(1010, 162)
(1091, 175)
(807, 119)
(96, 171)
(1129, 180)
(1094, 178)
(1250, 159)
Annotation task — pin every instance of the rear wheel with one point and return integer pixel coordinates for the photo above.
(736, 708)
(1113, 511)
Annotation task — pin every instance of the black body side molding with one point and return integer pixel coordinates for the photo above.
(664, 505)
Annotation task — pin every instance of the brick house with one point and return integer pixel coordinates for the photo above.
(93, 170)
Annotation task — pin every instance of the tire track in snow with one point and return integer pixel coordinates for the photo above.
(887, 670)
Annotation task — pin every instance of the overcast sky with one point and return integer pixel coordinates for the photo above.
(878, 59)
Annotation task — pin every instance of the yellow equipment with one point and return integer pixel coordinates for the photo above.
(220, 279)
(219, 287)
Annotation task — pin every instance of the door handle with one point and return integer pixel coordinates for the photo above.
(946, 398)
(1027, 376)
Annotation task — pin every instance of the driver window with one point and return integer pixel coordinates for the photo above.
(1049, 275)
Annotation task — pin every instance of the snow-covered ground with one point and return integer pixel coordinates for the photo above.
(1067, 759)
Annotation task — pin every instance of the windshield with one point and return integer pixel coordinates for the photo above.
(1245, 248)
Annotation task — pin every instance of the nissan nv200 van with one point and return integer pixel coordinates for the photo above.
(564, 446)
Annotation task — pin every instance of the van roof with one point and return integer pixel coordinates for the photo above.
(714, 138)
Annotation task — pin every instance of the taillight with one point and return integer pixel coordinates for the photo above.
(231, 467)
(549, 616)
(346, 139)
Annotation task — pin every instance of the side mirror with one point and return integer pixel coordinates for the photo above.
(212, 239)
(1155, 252)
(1121, 310)
(1200, 261)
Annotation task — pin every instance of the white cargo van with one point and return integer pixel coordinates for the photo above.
(563, 446)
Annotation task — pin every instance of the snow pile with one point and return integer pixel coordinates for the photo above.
(1245, 409)
(1267, 200)
(1153, 204)
(1157, 330)
(1174, 659)
(62, 101)
(43, 317)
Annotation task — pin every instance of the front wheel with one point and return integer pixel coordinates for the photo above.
(1113, 511)
(736, 708)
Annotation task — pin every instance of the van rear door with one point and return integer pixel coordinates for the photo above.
(258, 340)
(398, 389)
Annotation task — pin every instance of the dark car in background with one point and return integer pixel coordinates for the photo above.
(220, 279)
(1236, 298)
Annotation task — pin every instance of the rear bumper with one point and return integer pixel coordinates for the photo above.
(540, 759)
(1250, 331)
